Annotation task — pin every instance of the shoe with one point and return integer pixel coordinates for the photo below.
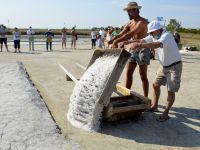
(162, 118)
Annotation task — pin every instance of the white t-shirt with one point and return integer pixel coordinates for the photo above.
(100, 43)
(30, 33)
(16, 35)
(93, 35)
(3, 33)
(169, 53)
(102, 33)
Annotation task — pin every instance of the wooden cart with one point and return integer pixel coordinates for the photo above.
(127, 104)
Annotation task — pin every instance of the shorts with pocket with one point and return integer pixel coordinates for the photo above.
(170, 76)
(141, 57)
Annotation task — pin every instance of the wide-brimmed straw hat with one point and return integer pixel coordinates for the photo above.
(132, 5)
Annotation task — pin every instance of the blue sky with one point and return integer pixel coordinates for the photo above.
(93, 13)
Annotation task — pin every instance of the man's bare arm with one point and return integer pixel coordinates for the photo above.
(137, 29)
(152, 45)
(134, 41)
(124, 31)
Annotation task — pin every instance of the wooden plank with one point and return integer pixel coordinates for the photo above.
(100, 52)
(114, 77)
(97, 53)
(123, 115)
(68, 74)
(124, 91)
(144, 99)
(81, 66)
(129, 108)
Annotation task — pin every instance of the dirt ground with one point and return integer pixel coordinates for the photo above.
(181, 131)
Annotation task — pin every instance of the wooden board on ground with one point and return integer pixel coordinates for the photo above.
(130, 105)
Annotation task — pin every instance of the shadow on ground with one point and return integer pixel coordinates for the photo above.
(181, 130)
(190, 57)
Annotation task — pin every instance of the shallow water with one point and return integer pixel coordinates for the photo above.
(41, 40)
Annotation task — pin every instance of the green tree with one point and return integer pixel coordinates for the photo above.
(173, 24)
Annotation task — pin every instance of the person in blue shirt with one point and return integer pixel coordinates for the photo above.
(49, 36)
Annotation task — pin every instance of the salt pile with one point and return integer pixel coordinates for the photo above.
(84, 110)
(25, 122)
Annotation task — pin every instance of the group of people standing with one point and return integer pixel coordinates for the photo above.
(141, 37)
(30, 34)
(103, 37)
(74, 37)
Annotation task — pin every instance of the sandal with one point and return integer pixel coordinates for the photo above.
(162, 118)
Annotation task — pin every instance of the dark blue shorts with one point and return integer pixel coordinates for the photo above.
(3, 40)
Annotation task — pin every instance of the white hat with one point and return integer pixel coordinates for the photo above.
(153, 26)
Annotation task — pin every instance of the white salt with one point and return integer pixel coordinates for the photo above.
(84, 110)
(25, 122)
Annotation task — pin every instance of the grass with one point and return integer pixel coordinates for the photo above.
(55, 31)
(190, 39)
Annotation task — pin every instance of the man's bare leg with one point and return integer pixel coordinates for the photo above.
(1, 47)
(72, 44)
(65, 45)
(143, 76)
(129, 74)
(156, 96)
(6, 47)
(170, 102)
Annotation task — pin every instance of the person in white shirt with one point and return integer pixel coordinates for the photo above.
(30, 34)
(99, 41)
(3, 37)
(170, 69)
(64, 37)
(93, 38)
(102, 32)
(16, 38)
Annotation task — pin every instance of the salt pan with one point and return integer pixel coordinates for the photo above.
(25, 122)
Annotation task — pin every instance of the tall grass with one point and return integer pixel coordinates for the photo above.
(190, 39)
